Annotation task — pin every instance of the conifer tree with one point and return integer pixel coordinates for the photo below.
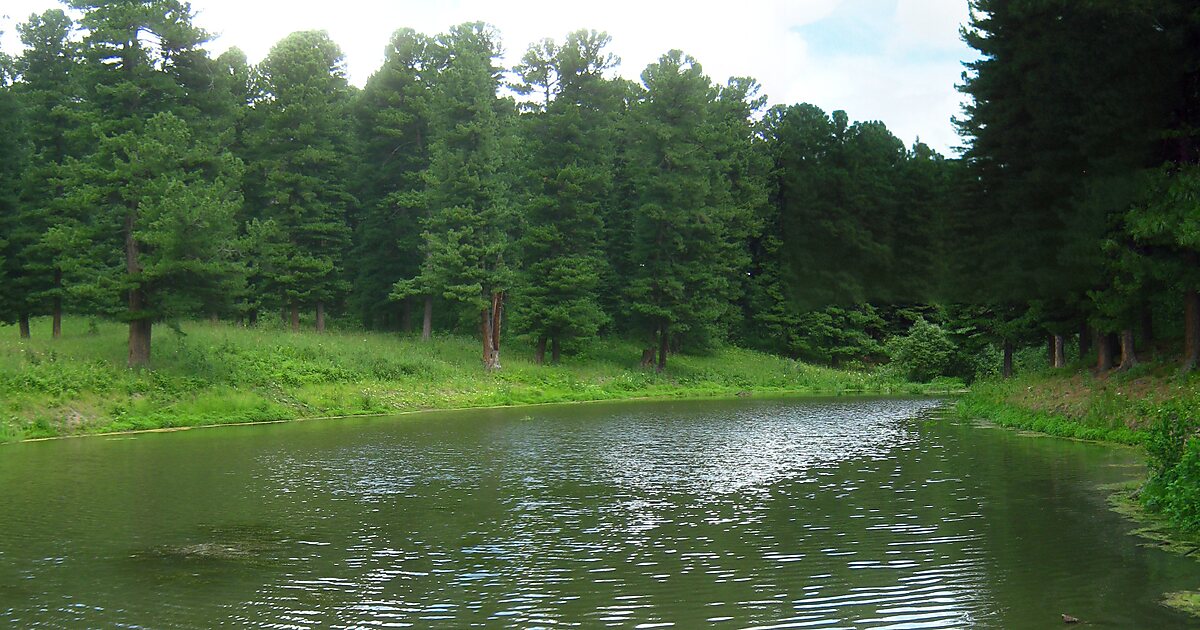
(685, 247)
(571, 142)
(300, 147)
(49, 87)
(465, 241)
(393, 115)
(159, 198)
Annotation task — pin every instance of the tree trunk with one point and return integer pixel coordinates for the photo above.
(1128, 354)
(406, 316)
(539, 353)
(252, 318)
(555, 351)
(648, 357)
(214, 319)
(139, 324)
(1103, 352)
(1146, 328)
(490, 320)
(497, 320)
(1060, 351)
(1085, 341)
(1191, 337)
(295, 317)
(56, 306)
(663, 346)
(320, 317)
(23, 325)
(1050, 360)
(1006, 370)
(139, 343)
(427, 322)
(491, 358)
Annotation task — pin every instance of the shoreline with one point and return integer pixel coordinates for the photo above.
(1122, 498)
(739, 395)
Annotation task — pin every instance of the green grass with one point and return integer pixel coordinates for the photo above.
(218, 373)
(1151, 406)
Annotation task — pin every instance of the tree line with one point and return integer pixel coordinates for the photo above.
(149, 181)
(143, 179)
(1081, 202)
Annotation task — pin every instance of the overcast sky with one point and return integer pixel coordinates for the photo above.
(892, 60)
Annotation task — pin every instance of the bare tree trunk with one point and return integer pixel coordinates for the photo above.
(406, 316)
(23, 325)
(1060, 351)
(56, 306)
(648, 357)
(1006, 371)
(427, 322)
(295, 316)
(1104, 358)
(539, 353)
(663, 346)
(139, 325)
(1128, 354)
(555, 351)
(139, 343)
(320, 316)
(1085, 341)
(1146, 328)
(214, 319)
(497, 320)
(1050, 350)
(1191, 337)
(252, 318)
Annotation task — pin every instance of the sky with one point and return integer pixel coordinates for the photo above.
(892, 60)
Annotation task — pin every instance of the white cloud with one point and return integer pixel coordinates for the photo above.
(914, 95)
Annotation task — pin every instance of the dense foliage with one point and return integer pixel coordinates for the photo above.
(146, 181)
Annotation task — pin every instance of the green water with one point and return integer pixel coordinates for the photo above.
(822, 514)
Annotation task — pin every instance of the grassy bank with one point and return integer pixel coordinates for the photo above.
(218, 373)
(1151, 406)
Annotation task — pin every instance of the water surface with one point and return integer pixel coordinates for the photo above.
(788, 513)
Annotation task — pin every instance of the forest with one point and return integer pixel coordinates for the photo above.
(147, 182)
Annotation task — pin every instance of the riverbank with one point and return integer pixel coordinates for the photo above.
(214, 373)
(1152, 407)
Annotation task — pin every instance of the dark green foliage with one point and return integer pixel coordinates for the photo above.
(923, 353)
(465, 234)
(687, 249)
(300, 151)
(13, 153)
(185, 196)
(393, 114)
(570, 151)
(52, 131)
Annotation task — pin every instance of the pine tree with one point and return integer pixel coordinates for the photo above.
(465, 239)
(299, 146)
(159, 198)
(686, 242)
(49, 86)
(13, 152)
(571, 136)
(393, 114)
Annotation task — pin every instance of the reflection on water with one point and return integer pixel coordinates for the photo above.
(768, 514)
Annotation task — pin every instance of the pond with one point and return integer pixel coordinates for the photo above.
(820, 513)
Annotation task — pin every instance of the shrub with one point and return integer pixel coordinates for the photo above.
(923, 353)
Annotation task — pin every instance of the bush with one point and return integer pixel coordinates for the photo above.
(1173, 449)
(922, 354)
